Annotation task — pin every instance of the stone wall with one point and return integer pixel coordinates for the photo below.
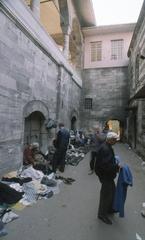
(30, 73)
(136, 113)
(108, 87)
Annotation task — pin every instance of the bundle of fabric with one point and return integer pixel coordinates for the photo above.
(74, 156)
(9, 195)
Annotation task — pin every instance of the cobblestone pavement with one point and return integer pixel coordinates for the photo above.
(72, 214)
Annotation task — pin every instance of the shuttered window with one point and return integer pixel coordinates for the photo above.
(96, 51)
(117, 49)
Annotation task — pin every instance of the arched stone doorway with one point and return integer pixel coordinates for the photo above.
(74, 120)
(35, 116)
(73, 123)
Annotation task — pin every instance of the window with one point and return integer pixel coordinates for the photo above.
(88, 103)
(96, 51)
(116, 49)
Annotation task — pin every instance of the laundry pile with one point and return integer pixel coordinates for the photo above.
(27, 185)
(74, 155)
(24, 188)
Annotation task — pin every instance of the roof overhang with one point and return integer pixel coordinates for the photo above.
(137, 28)
(140, 94)
(85, 12)
(107, 29)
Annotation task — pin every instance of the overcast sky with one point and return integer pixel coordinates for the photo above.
(116, 11)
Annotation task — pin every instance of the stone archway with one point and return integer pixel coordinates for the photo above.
(73, 123)
(35, 105)
(35, 114)
(117, 126)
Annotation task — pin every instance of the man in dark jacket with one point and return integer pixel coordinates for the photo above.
(106, 169)
(61, 144)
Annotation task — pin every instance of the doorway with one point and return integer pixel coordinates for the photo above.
(73, 123)
(115, 126)
(35, 131)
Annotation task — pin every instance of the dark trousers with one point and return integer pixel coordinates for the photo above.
(106, 197)
(93, 159)
(59, 159)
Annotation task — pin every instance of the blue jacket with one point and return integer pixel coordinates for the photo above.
(125, 179)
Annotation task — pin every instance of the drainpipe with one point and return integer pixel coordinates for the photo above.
(66, 43)
(35, 7)
(66, 46)
(58, 102)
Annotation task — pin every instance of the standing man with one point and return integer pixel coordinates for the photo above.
(106, 168)
(61, 144)
(97, 140)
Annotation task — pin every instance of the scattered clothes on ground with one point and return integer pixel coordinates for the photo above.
(143, 210)
(48, 182)
(9, 195)
(125, 179)
(138, 237)
(143, 213)
(3, 231)
(74, 156)
(7, 216)
(31, 172)
(65, 180)
(30, 192)
(17, 180)
(45, 195)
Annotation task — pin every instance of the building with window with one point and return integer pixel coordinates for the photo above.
(136, 104)
(41, 57)
(105, 91)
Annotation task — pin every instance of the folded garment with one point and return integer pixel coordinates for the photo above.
(48, 182)
(17, 180)
(9, 216)
(3, 233)
(9, 195)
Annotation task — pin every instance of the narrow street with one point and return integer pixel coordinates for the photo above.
(72, 214)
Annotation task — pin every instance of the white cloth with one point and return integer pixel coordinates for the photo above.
(31, 172)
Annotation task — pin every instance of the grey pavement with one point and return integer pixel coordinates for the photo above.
(72, 214)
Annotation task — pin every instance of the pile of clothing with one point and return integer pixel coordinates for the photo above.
(25, 189)
(74, 155)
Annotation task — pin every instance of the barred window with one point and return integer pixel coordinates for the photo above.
(117, 49)
(88, 103)
(96, 51)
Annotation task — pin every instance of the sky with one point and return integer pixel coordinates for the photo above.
(109, 12)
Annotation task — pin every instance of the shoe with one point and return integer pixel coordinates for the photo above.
(112, 211)
(105, 219)
(143, 213)
(90, 172)
(61, 169)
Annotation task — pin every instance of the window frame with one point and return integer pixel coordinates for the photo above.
(88, 103)
(96, 51)
(117, 49)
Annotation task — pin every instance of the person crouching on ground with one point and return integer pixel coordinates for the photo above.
(106, 168)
